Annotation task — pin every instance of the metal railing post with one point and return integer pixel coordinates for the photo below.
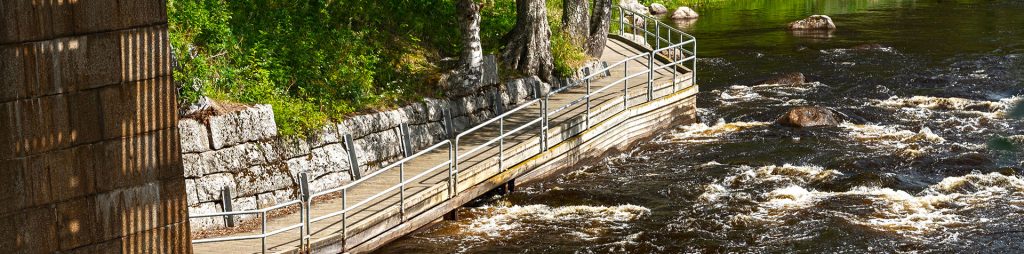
(545, 124)
(455, 167)
(588, 103)
(625, 85)
(401, 193)
(693, 76)
(657, 34)
(451, 165)
(501, 145)
(650, 75)
(542, 139)
(306, 203)
(621, 28)
(263, 231)
(344, 220)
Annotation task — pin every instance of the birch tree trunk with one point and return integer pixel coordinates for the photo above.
(529, 44)
(467, 76)
(600, 21)
(576, 20)
(469, 24)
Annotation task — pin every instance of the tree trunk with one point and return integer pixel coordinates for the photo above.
(469, 24)
(600, 21)
(529, 44)
(467, 76)
(576, 20)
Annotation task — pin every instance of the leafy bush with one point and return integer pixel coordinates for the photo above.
(320, 60)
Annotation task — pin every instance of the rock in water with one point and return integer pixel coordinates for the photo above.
(633, 5)
(684, 13)
(657, 8)
(793, 79)
(814, 22)
(809, 116)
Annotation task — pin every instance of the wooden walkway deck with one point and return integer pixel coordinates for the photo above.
(433, 188)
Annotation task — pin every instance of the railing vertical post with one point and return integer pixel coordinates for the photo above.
(501, 144)
(650, 75)
(588, 103)
(263, 231)
(657, 34)
(302, 226)
(545, 124)
(306, 202)
(625, 85)
(455, 167)
(344, 220)
(451, 165)
(693, 76)
(401, 193)
(621, 27)
(544, 119)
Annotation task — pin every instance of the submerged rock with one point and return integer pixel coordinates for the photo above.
(814, 22)
(809, 116)
(657, 8)
(793, 78)
(684, 13)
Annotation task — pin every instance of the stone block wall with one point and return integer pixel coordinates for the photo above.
(241, 150)
(89, 147)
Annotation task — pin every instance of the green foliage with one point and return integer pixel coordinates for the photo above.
(319, 60)
(567, 57)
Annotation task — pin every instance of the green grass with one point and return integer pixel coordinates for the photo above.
(322, 60)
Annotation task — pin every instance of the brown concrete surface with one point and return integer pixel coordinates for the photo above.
(89, 150)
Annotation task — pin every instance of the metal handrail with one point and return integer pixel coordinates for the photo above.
(381, 171)
(454, 144)
(263, 225)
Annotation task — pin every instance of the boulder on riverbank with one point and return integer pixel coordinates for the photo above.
(657, 9)
(684, 13)
(792, 79)
(633, 5)
(814, 22)
(809, 116)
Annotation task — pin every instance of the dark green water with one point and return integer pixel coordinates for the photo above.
(935, 166)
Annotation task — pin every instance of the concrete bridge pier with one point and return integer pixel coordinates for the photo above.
(89, 151)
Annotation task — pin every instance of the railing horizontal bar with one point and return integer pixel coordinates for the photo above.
(226, 239)
(282, 230)
(605, 69)
(275, 207)
(379, 194)
(381, 171)
(492, 120)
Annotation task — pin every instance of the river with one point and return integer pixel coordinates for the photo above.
(935, 166)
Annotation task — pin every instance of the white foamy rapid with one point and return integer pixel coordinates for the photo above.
(988, 108)
(785, 173)
(703, 133)
(770, 92)
(941, 207)
(495, 221)
(906, 143)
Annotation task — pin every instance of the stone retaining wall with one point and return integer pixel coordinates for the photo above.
(242, 150)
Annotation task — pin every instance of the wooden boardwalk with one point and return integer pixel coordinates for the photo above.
(433, 188)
